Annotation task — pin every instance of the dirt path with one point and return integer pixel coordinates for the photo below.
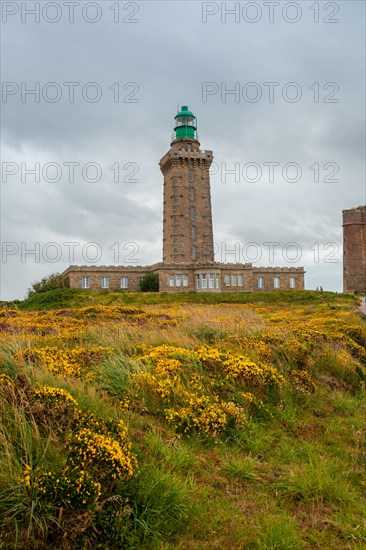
(363, 305)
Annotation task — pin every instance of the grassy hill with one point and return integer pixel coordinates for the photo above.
(182, 421)
(72, 297)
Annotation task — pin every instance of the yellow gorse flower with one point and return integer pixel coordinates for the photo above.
(88, 449)
(54, 395)
(73, 362)
(237, 366)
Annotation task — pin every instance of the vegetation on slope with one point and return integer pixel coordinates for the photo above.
(54, 281)
(172, 423)
(72, 297)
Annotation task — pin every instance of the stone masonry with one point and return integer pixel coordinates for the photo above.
(354, 249)
(188, 277)
(187, 223)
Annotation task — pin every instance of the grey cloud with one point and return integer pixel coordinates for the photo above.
(169, 60)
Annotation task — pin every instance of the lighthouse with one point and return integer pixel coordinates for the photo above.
(188, 248)
(187, 212)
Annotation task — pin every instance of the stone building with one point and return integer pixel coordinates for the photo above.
(188, 247)
(354, 249)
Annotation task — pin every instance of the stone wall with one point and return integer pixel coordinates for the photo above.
(354, 249)
(94, 274)
(191, 277)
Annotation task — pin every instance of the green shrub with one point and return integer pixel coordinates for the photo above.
(51, 299)
(51, 282)
(150, 283)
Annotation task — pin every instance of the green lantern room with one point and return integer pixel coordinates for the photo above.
(185, 124)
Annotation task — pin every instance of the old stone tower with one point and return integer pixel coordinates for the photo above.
(354, 249)
(187, 220)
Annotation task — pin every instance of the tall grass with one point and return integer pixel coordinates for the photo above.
(21, 445)
(280, 533)
(241, 467)
(317, 481)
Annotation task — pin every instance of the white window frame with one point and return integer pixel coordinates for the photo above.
(171, 280)
(185, 280)
(194, 253)
(104, 282)
(193, 213)
(190, 174)
(191, 194)
(234, 279)
(189, 146)
(178, 280)
(217, 280)
(276, 282)
(85, 282)
(204, 281)
(193, 232)
(260, 282)
(211, 280)
(240, 279)
(198, 282)
(227, 280)
(123, 282)
(292, 282)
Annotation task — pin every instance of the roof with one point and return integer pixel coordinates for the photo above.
(184, 112)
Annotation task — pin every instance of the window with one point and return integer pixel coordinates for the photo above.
(276, 282)
(194, 253)
(197, 281)
(171, 280)
(193, 213)
(189, 146)
(211, 281)
(240, 280)
(185, 280)
(292, 282)
(178, 280)
(260, 282)
(85, 282)
(124, 282)
(104, 282)
(191, 193)
(233, 280)
(204, 280)
(190, 174)
(227, 280)
(193, 232)
(217, 280)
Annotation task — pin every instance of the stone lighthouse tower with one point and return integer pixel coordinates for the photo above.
(187, 219)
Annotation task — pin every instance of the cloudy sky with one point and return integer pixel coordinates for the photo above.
(278, 89)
